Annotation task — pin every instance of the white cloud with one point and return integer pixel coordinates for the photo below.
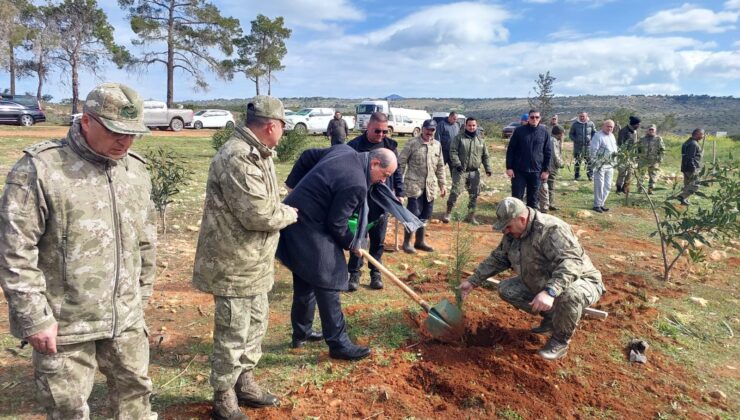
(732, 4)
(539, 1)
(689, 18)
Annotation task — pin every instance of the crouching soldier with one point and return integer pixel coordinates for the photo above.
(555, 278)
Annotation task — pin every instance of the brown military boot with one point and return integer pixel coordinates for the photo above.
(226, 407)
(250, 394)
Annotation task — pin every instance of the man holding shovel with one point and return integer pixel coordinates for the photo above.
(555, 278)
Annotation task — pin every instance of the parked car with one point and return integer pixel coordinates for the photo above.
(507, 131)
(212, 118)
(438, 117)
(21, 111)
(156, 114)
(313, 120)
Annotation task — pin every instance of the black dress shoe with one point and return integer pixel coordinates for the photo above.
(553, 208)
(312, 336)
(604, 208)
(598, 210)
(351, 352)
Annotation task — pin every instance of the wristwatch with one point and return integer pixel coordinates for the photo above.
(550, 292)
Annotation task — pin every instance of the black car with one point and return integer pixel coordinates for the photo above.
(507, 131)
(20, 109)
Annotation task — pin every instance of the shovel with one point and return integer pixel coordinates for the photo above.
(442, 320)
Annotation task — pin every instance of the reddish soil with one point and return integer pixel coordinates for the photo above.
(493, 366)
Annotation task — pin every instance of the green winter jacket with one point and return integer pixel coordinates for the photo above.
(469, 152)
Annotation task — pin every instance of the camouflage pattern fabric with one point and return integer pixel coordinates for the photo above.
(240, 323)
(567, 308)
(118, 107)
(690, 184)
(547, 255)
(651, 150)
(423, 168)
(64, 380)
(77, 241)
(546, 193)
(626, 138)
(242, 218)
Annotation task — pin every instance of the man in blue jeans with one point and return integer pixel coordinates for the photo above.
(528, 158)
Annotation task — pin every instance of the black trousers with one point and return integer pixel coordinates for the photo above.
(305, 299)
(529, 181)
(377, 241)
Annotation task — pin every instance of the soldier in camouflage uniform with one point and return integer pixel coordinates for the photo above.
(77, 251)
(555, 277)
(627, 137)
(546, 192)
(467, 151)
(234, 259)
(650, 152)
(423, 168)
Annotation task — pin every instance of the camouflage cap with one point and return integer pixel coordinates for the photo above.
(506, 210)
(117, 107)
(266, 107)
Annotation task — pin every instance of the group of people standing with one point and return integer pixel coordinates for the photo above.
(78, 242)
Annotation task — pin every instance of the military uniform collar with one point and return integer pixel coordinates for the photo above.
(79, 144)
(250, 138)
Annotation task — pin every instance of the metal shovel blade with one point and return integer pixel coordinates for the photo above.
(444, 319)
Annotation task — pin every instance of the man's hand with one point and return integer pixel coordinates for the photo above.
(45, 342)
(542, 302)
(510, 173)
(443, 191)
(356, 251)
(544, 175)
(465, 288)
(489, 173)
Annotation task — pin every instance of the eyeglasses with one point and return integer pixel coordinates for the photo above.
(113, 134)
(534, 117)
(378, 131)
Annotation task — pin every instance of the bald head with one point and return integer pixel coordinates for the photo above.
(383, 164)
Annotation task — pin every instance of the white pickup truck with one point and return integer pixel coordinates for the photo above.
(313, 120)
(157, 115)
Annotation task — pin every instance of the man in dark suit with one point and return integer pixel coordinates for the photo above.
(375, 137)
(328, 186)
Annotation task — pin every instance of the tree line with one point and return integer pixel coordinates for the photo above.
(184, 36)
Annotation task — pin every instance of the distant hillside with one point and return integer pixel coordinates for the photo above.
(690, 111)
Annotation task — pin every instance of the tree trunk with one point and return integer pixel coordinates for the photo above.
(171, 54)
(75, 86)
(269, 82)
(40, 73)
(11, 66)
(257, 85)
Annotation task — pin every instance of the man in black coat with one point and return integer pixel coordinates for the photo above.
(375, 138)
(528, 159)
(328, 186)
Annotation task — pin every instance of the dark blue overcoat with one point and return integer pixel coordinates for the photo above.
(328, 186)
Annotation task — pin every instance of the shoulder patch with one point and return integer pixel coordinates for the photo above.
(47, 145)
(137, 156)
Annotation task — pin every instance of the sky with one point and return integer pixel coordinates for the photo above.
(468, 49)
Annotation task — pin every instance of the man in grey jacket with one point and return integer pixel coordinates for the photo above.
(77, 249)
(337, 130)
(581, 133)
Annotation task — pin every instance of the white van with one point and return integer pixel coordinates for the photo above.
(400, 120)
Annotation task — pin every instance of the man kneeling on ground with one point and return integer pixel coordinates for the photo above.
(555, 278)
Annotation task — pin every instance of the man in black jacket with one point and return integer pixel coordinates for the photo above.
(328, 186)
(528, 158)
(690, 165)
(372, 139)
(337, 130)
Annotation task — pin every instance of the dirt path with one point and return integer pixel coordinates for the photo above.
(51, 132)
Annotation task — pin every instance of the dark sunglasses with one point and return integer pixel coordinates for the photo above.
(378, 131)
(534, 117)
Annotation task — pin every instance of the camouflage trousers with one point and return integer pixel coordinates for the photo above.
(64, 380)
(470, 181)
(690, 184)
(652, 172)
(624, 176)
(566, 310)
(240, 324)
(546, 193)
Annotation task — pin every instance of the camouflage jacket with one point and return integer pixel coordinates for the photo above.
(423, 168)
(469, 152)
(77, 243)
(556, 161)
(242, 218)
(547, 255)
(627, 136)
(650, 150)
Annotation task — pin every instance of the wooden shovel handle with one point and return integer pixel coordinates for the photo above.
(396, 280)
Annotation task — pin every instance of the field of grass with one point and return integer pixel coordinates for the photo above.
(702, 339)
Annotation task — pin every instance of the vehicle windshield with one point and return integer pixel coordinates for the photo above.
(304, 111)
(367, 109)
(200, 112)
